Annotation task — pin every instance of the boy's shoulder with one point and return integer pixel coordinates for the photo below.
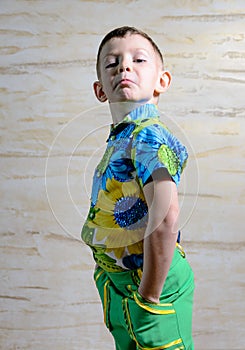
(154, 133)
(150, 126)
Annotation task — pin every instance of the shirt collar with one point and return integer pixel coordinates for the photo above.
(145, 111)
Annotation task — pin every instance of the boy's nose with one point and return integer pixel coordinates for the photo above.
(124, 66)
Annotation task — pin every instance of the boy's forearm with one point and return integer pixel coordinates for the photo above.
(158, 253)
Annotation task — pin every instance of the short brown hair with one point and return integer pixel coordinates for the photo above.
(121, 33)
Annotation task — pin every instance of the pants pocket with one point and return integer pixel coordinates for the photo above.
(152, 326)
(103, 285)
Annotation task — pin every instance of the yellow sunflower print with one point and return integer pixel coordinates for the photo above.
(120, 217)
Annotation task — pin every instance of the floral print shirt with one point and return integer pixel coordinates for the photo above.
(117, 219)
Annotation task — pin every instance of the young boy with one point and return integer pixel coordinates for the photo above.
(144, 281)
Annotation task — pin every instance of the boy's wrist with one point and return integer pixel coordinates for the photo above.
(148, 298)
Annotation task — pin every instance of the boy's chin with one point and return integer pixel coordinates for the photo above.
(130, 101)
(126, 103)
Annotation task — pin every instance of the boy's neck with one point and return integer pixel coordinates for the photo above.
(119, 110)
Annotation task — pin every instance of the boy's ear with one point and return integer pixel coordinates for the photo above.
(163, 83)
(99, 92)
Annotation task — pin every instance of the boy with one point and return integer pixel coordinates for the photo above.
(144, 281)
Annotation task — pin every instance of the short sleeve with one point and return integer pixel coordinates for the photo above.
(154, 147)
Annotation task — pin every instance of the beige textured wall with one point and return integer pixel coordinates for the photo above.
(51, 124)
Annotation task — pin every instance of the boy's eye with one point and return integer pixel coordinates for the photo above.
(111, 65)
(139, 60)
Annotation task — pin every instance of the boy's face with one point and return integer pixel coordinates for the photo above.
(130, 70)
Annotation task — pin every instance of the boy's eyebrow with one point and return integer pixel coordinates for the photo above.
(110, 54)
(114, 53)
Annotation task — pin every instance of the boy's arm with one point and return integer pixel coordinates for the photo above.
(160, 237)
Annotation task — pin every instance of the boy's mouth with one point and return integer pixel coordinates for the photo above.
(124, 82)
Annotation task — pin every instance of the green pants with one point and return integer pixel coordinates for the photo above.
(138, 324)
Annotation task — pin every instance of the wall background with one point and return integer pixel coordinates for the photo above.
(52, 129)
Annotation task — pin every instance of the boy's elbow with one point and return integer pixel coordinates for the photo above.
(170, 221)
(168, 224)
